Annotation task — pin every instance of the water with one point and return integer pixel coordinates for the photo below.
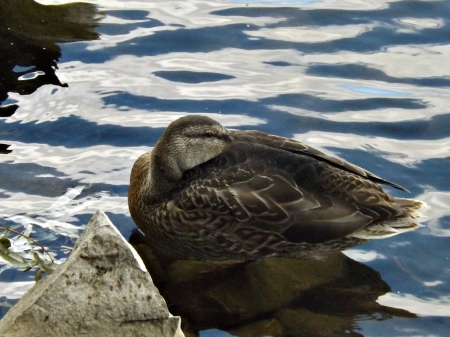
(365, 80)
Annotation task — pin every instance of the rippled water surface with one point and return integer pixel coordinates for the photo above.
(368, 81)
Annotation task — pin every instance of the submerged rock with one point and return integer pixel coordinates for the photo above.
(102, 289)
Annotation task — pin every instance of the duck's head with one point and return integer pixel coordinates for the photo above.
(187, 142)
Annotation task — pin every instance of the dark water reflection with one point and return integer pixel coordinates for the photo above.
(29, 34)
(82, 98)
(276, 296)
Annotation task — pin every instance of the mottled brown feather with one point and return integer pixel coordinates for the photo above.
(254, 195)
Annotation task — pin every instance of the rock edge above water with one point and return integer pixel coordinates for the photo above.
(103, 289)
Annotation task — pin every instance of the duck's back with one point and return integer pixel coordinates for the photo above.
(290, 193)
(270, 196)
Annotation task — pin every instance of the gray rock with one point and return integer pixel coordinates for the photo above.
(103, 289)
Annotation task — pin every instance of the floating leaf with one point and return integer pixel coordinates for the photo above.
(13, 258)
(48, 267)
(6, 304)
(25, 261)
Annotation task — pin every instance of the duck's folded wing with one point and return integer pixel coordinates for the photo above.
(271, 202)
(298, 147)
(296, 213)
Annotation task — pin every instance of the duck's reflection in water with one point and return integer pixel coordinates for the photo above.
(271, 297)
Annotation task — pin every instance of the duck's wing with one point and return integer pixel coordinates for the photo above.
(294, 146)
(260, 196)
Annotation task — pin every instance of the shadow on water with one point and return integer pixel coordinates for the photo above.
(29, 33)
(274, 296)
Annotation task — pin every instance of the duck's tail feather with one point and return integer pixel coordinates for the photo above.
(406, 221)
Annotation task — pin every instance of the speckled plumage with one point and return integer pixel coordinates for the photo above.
(208, 193)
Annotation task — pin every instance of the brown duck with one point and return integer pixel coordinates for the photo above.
(212, 194)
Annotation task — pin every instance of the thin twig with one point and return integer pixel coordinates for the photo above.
(29, 239)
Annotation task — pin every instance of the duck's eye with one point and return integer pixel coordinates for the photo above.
(209, 134)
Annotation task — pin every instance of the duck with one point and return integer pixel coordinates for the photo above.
(208, 193)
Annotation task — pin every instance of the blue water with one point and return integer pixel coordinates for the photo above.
(367, 81)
